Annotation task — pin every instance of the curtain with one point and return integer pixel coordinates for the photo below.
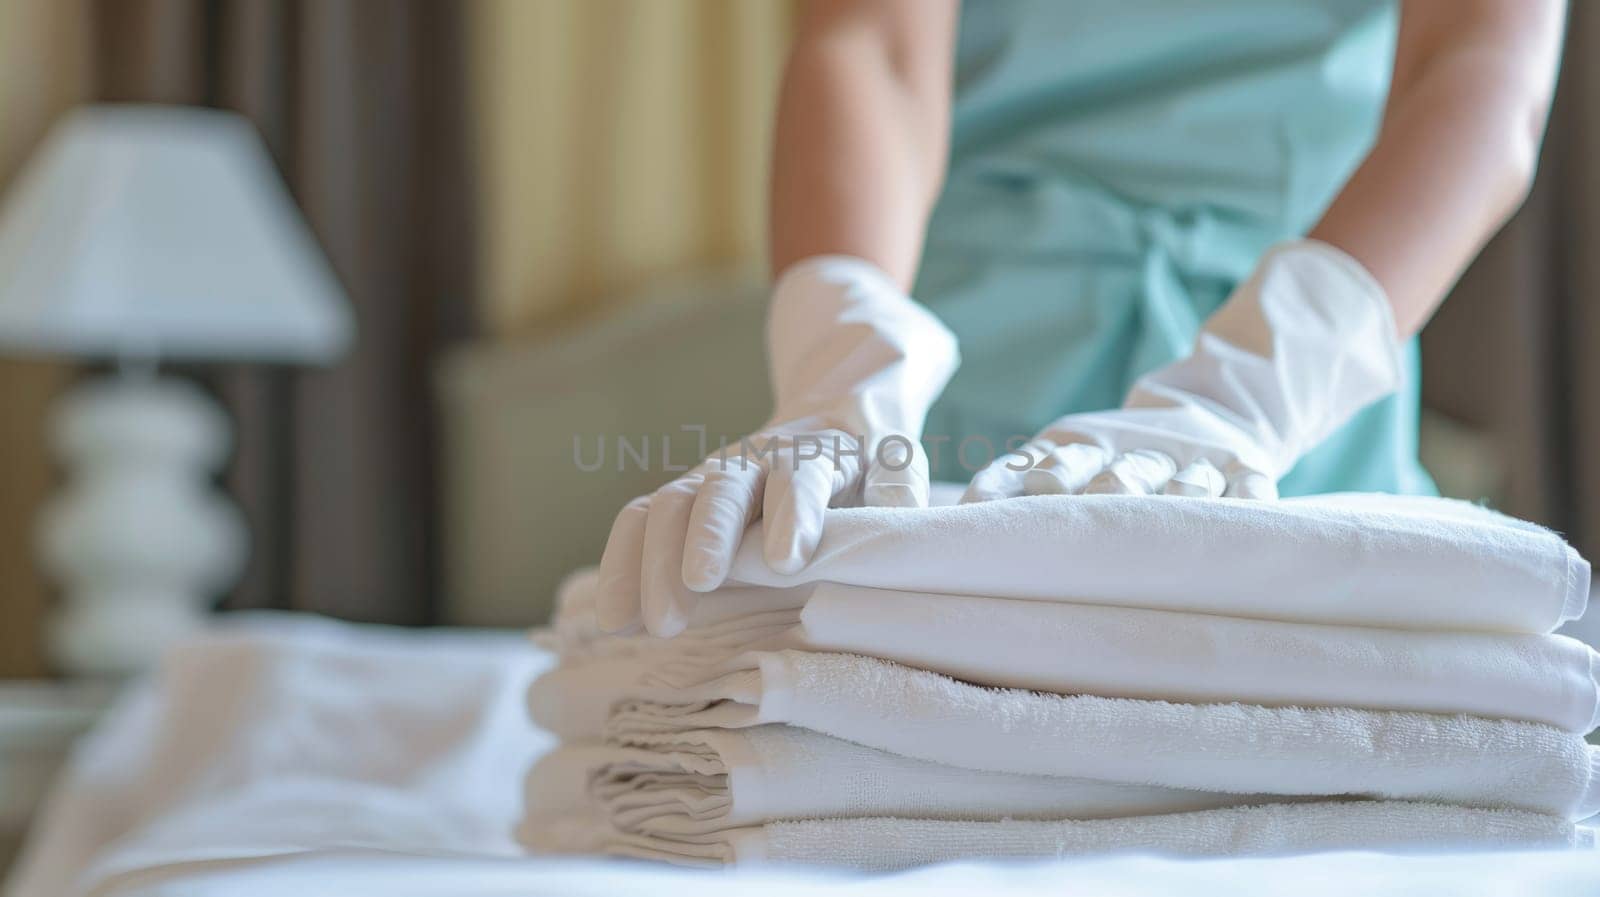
(362, 104)
(43, 62)
(1513, 349)
(618, 140)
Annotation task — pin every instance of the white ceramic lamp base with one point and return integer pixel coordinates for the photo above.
(139, 539)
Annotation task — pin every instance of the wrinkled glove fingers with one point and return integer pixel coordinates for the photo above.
(799, 490)
(1066, 471)
(1003, 477)
(665, 601)
(897, 475)
(1139, 472)
(617, 589)
(1201, 479)
(728, 502)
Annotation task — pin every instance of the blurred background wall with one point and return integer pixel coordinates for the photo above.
(481, 171)
(618, 141)
(44, 59)
(549, 217)
(1512, 353)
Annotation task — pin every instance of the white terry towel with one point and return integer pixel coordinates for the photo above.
(1199, 658)
(696, 782)
(1237, 748)
(1125, 653)
(885, 844)
(1361, 559)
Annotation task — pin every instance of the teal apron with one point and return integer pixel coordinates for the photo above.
(1117, 167)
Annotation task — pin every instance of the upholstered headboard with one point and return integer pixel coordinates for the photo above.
(520, 513)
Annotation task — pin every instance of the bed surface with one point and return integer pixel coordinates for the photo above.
(291, 755)
(1327, 875)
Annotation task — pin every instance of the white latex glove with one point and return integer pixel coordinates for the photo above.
(855, 366)
(1301, 346)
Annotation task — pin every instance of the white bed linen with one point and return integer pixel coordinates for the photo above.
(436, 818)
(277, 735)
(342, 873)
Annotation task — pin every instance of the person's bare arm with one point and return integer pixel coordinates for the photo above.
(1455, 156)
(863, 132)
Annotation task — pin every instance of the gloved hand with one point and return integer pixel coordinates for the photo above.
(1301, 346)
(855, 366)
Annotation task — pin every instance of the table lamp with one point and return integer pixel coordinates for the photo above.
(143, 234)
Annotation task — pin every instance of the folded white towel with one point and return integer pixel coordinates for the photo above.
(1213, 747)
(573, 701)
(881, 844)
(1371, 560)
(1197, 658)
(1350, 615)
(697, 782)
(730, 616)
(1130, 652)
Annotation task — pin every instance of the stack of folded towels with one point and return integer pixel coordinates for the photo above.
(1078, 674)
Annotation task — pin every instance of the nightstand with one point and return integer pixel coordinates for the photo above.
(39, 721)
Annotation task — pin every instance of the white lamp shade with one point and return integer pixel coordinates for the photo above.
(162, 232)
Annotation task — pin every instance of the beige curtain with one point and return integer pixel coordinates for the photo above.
(618, 140)
(362, 103)
(43, 66)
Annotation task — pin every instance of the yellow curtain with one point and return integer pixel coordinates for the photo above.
(43, 69)
(618, 140)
